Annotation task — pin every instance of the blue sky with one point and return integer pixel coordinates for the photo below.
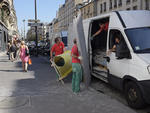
(46, 10)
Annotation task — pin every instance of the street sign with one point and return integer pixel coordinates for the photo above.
(33, 21)
(35, 24)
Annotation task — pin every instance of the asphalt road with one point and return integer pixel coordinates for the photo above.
(108, 90)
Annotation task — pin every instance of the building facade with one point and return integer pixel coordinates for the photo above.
(87, 10)
(8, 22)
(106, 6)
(66, 13)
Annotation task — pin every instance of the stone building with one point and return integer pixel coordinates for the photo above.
(66, 13)
(105, 6)
(87, 10)
(8, 22)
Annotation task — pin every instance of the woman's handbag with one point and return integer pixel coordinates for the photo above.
(30, 61)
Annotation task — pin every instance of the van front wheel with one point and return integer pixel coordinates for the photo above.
(134, 95)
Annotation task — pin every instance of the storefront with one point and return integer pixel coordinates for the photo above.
(3, 37)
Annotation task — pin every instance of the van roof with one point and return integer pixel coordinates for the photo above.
(135, 18)
(129, 19)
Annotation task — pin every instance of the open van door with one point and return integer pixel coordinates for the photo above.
(79, 34)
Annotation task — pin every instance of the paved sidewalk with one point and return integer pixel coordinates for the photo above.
(38, 92)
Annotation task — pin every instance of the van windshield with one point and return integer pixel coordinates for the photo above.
(139, 39)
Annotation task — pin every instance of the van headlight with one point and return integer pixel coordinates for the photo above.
(148, 68)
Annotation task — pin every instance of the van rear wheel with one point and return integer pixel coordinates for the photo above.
(134, 95)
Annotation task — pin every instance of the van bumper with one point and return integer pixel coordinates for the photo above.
(145, 87)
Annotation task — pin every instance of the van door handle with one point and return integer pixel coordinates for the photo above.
(107, 58)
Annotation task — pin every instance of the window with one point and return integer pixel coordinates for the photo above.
(101, 8)
(147, 4)
(128, 2)
(104, 6)
(139, 39)
(120, 3)
(134, 7)
(121, 49)
(128, 9)
(110, 4)
(134, 0)
(115, 3)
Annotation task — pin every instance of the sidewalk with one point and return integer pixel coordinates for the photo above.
(2, 53)
(38, 92)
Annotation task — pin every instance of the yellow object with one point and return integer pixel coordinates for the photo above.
(63, 64)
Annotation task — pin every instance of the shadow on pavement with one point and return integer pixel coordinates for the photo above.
(11, 71)
(40, 78)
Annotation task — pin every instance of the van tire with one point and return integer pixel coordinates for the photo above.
(134, 96)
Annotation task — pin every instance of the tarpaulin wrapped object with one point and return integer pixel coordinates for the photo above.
(63, 64)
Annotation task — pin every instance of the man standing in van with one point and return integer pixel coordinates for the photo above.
(103, 27)
(76, 68)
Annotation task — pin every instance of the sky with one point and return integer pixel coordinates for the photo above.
(46, 10)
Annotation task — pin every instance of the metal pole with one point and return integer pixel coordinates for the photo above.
(24, 28)
(36, 34)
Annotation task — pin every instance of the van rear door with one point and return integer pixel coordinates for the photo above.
(79, 34)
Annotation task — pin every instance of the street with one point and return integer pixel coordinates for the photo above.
(108, 90)
(37, 91)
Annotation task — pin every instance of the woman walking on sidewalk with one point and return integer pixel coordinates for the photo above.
(24, 55)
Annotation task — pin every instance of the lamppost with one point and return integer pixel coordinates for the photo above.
(36, 29)
(24, 29)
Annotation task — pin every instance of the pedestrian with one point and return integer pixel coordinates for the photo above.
(58, 48)
(17, 44)
(8, 49)
(24, 55)
(12, 51)
(76, 68)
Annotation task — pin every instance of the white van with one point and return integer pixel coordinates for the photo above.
(127, 67)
